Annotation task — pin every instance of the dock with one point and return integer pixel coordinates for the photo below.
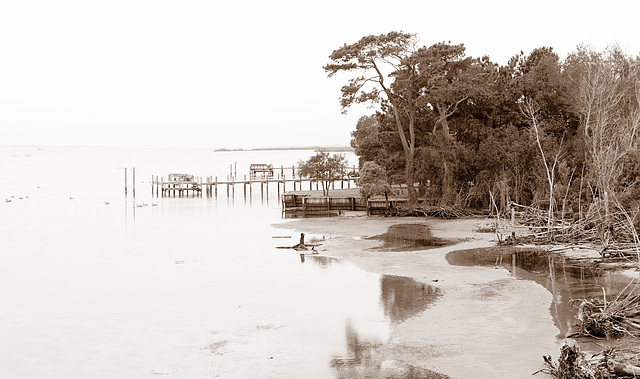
(209, 186)
(262, 175)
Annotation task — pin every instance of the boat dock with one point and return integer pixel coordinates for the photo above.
(210, 186)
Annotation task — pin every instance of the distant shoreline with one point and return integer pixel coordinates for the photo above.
(42, 147)
(327, 148)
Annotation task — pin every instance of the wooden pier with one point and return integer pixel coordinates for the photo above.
(209, 186)
(260, 175)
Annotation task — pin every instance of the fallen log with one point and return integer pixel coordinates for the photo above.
(621, 368)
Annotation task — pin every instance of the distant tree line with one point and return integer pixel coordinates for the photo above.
(555, 134)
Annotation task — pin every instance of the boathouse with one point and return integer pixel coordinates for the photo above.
(260, 170)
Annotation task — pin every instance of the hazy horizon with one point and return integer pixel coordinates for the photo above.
(143, 73)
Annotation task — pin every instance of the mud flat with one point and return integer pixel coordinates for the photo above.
(487, 322)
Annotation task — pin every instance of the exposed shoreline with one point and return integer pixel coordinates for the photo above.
(487, 324)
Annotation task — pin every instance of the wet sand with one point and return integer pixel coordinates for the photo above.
(486, 324)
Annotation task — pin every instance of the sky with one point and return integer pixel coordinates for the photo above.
(239, 74)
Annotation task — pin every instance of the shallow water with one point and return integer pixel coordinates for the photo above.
(95, 284)
(408, 236)
(567, 280)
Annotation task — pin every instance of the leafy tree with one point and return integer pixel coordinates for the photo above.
(366, 140)
(324, 168)
(446, 80)
(455, 124)
(373, 181)
(375, 56)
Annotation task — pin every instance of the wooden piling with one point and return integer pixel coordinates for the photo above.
(134, 182)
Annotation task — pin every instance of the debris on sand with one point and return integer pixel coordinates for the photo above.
(610, 363)
(606, 318)
(300, 246)
(611, 318)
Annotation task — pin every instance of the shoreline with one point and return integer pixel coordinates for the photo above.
(487, 323)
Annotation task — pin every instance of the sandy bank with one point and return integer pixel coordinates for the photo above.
(487, 324)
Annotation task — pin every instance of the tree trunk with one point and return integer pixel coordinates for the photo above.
(409, 152)
(622, 368)
(445, 181)
(442, 122)
(411, 190)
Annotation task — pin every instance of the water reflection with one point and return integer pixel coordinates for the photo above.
(320, 260)
(303, 214)
(403, 297)
(365, 358)
(564, 278)
(399, 298)
(410, 236)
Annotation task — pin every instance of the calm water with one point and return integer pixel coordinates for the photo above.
(568, 281)
(189, 287)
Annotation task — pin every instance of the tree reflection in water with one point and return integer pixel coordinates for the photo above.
(400, 298)
(566, 279)
(403, 297)
(402, 237)
(366, 359)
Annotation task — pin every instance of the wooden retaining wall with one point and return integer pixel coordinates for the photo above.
(324, 205)
(377, 207)
(321, 205)
(381, 206)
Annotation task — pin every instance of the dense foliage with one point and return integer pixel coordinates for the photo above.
(555, 134)
(323, 167)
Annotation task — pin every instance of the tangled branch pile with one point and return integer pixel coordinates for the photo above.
(602, 318)
(613, 232)
(573, 364)
(429, 211)
(610, 363)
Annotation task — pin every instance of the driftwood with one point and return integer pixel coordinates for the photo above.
(609, 363)
(609, 318)
(613, 235)
(620, 368)
(301, 246)
(598, 318)
(573, 364)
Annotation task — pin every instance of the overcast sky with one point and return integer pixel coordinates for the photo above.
(155, 73)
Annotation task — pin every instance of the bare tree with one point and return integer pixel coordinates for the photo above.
(531, 112)
(610, 115)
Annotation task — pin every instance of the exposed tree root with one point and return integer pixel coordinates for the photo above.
(429, 211)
